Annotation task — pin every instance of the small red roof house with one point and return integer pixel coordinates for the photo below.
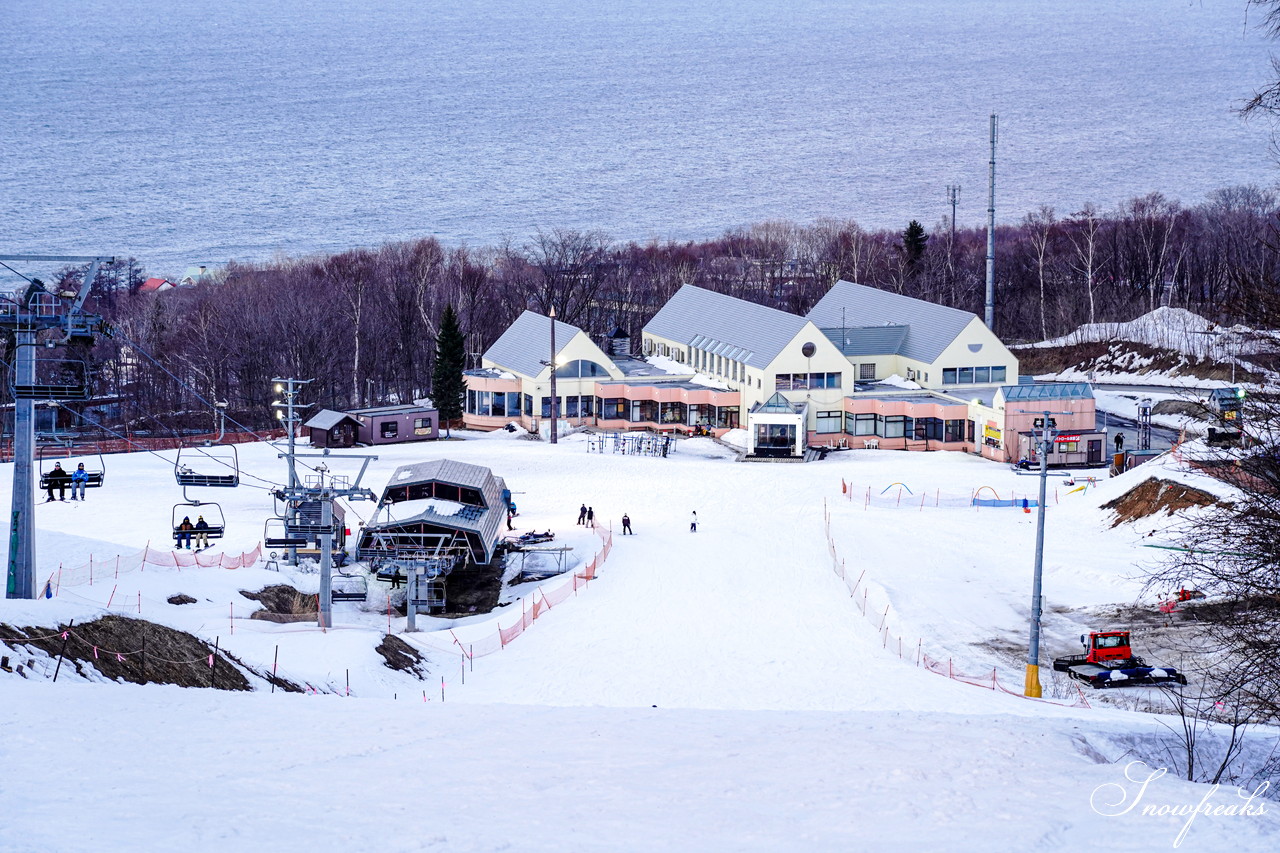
(155, 285)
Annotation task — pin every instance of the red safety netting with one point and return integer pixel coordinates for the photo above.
(138, 444)
(536, 606)
(100, 569)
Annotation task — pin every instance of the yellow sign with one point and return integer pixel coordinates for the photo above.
(991, 432)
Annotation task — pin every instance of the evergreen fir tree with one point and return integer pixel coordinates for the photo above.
(448, 389)
(913, 242)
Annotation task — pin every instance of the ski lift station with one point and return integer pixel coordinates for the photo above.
(441, 503)
(864, 369)
(434, 519)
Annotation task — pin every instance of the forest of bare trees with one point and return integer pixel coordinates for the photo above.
(363, 324)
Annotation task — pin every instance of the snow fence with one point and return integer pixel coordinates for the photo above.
(860, 590)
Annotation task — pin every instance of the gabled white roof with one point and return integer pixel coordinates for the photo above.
(725, 325)
(932, 327)
(526, 344)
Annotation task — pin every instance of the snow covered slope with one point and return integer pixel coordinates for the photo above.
(717, 690)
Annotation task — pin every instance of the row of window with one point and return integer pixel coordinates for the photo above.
(805, 381)
(511, 404)
(708, 362)
(972, 375)
(899, 426)
(391, 429)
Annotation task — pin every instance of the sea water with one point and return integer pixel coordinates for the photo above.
(185, 131)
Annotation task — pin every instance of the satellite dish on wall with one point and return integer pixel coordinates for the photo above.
(808, 349)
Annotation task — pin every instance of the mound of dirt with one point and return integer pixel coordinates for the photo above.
(283, 603)
(1155, 495)
(132, 650)
(1124, 357)
(401, 656)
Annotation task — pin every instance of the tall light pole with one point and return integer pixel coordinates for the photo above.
(287, 413)
(1047, 433)
(555, 414)
(989, 312)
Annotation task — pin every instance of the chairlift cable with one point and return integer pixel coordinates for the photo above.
(150, 358)
(156, 453)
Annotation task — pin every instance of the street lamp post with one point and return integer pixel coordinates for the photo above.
(1047, 432)
(554, 408)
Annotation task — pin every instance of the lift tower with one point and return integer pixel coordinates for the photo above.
(48, 318)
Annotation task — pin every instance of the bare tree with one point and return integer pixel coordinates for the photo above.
(1083, 230)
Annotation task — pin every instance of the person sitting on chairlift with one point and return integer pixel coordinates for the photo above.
(202, 533)
(57, 479)
(184, 533)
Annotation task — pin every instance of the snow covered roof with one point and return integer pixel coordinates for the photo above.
(483, 523)
(930, 327)
(442, 471)
(725, 325)
(328, 419)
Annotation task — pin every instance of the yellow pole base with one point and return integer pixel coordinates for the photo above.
(1032, 687)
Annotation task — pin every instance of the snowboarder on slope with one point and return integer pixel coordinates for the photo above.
(626, 525)
(582, 514)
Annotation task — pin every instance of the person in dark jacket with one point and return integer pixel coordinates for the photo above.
(591, 516)
(184, 532)
(202, 533)
(582, 514)
(626, 525)
(57, 479)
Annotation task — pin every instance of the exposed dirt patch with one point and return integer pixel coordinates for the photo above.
(1155, 495)
(402, 657)
(283, 603)
(1125, 357)
(181, 598)
(473, 589)
(133, 650)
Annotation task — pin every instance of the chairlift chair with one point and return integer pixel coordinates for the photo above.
(97, 471)
(53, 379)
(349, 588)
(276, 534)
(213, 517)
(216, 466)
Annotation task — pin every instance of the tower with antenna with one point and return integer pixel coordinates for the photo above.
(953, 197)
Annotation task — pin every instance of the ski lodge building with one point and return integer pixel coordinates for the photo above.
(865, 368)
